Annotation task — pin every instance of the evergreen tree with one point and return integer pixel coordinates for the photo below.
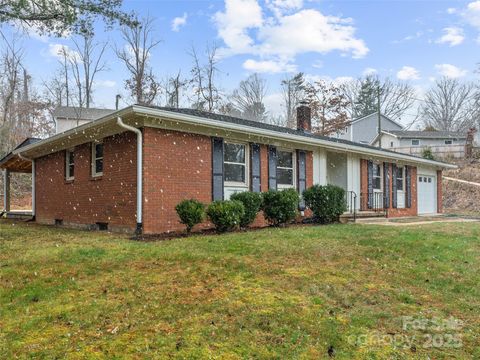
(366, 102)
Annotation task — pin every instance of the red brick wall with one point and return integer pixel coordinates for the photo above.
(439, 192)
(413, 210)
(363, 184)
(178, 166)
(86, 200)
(392, 212)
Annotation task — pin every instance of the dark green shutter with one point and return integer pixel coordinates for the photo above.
(217, 168)
(272, 168)
(370, 184)
(255, 168)
(408, 186)
(394, 186)
(386, 184)
(302, 176)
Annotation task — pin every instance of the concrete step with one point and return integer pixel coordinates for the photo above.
(368, 215)
(18, 215)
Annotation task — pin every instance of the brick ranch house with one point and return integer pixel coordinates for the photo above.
(127, 170)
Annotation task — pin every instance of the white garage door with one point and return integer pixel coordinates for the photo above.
(427, 194)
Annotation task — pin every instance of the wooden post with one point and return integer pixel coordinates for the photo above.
(6, 190)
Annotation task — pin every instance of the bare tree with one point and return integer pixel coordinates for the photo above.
(248, 98)
(396, 97)
(329, 107)
(204, 77)
(136, 55)
(173, 87)
(22, 111)
(90, 60)
(293, 91)
(450, 105)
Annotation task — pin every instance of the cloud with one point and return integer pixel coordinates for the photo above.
(408, 73)
(310, 31)
(369, 71)
(179, 22)
(280, 7)
(268, 66)
(450, 71)
(472, 14)
(451, 11)
(106, 83)
(245, 29)
(234, 23)
(452, 36)
(56, 50)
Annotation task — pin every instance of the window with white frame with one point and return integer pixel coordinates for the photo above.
(448, 142)
(400, 183)
(69, 164)
(415, 142)
(285, 169)
(235, 164)
(400, 179)
(377, 177)
(97, 159)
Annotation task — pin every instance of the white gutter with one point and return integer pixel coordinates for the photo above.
(139, 171)
(33, 182)
(286, 136)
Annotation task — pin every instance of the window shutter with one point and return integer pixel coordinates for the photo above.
(255, 168)
(408, 186)
(394, 186)
(370, 184)
(302, 176)
(217, 168)
(386, 184)
(272, 168)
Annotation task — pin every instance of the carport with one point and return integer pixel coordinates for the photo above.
(13, 163)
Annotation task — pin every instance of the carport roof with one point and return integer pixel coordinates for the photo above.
(14, 162)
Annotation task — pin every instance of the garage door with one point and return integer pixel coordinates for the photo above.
(427, 194)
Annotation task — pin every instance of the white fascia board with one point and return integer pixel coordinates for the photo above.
(75, 131)
(215, 124)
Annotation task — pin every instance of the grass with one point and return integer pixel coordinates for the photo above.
(304, 292)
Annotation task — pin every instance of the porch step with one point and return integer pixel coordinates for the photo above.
(18, 215)
(362, 215)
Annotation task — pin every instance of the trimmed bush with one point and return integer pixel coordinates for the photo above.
(225, 215)
(252, 202)
(191, 212)
(427, 153)
(327, 202)
(280, 207)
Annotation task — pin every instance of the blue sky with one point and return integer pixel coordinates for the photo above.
(415, 41)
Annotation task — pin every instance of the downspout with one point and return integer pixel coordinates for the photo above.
(34, 193)
(120, 123)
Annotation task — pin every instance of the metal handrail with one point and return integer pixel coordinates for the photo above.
(351, 200)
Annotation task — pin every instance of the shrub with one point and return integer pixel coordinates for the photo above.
(280, 207)
(225, 215)
(327, 202)
(252, 202)
(427, 153)
(191, 212)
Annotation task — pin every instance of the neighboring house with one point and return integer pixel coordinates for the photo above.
(442, 143)
(67, 117)
(128, 170)
(365, 129)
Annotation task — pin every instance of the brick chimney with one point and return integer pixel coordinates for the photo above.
(304, 117)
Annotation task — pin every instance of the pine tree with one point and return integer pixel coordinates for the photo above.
(366, 101)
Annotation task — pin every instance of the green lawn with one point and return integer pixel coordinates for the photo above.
(274, 293)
